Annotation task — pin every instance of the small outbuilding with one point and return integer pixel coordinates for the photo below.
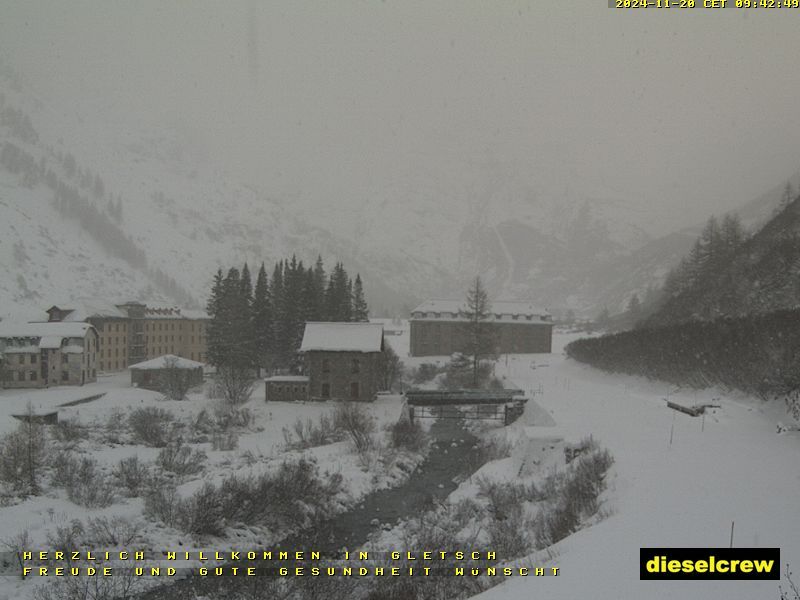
(286, 388)
(151, 374)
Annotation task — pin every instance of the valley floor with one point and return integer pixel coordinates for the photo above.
(734, 466)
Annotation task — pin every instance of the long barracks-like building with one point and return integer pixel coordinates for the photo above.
(438, 328)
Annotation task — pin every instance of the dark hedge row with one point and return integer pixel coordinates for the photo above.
(757, 354)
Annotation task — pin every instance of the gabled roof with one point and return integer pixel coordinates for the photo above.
(162, 362)
(343, 337)
(86, 308)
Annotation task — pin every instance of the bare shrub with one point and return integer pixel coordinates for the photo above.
(234, 383)
(151, 425)
(69, 432)
(173, 381)
(408, 435)
(23, 454)
(67, 538)
(178, 458)
(203, 422)
(123, 585)
(294, 496)
(308, 434)
(509, 536)
(65, 469)
(227, 416)
(224, 441)
(572, 496)
(793, 591)
(356, 423)
(115, 531)
(88, 486)
(202, 513)
(504, 497)
(161, 502)
(85, 484)
(426, 372)
(16, 545)
(115, 425)
(131, 474)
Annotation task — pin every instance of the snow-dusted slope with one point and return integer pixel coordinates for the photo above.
(730, 466)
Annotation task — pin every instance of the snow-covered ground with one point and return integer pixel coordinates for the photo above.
(731, 466)
(261, 448)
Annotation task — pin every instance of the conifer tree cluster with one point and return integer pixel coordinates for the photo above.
(716, 244)
(261, 324)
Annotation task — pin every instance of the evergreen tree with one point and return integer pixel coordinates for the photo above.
(360, 308)
(262, 319)
(481, 334)
(215, 328)
(318, 307)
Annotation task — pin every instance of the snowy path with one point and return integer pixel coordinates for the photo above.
(737, 469)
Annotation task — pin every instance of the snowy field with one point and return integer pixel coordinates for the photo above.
(731, 467)
(261, 448)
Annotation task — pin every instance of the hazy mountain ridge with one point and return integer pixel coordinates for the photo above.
(761, 276)
(570, 248)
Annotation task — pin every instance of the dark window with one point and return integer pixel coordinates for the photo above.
(356, 366)
(326, 390)
(64, 359)
(32, 375)
(64, 376)
(33, 359)
(326, 365)
(354, 390)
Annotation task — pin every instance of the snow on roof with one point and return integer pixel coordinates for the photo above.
(86, 308)
(44, 330)
(288, 378)
(497, 307)
(174, 312)
(50, 341)
(163, 362)
(342, 337)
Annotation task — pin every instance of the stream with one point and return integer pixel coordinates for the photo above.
(454, 455)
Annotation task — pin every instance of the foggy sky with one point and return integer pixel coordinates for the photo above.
(682, 112)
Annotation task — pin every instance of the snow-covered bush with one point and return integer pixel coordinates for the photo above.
(178, 458)
(161, 502)
(151, 425)
(69, 432)
(87, 485)
(23, 455)
(224, 441)
(124, 585)
(572, 496)
(357, 423)
(308, 434)
(131, 474)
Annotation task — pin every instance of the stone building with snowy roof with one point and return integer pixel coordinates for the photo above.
(150, 373)
(343, 361)
(133, 332)
(438, 328)
(37, 355)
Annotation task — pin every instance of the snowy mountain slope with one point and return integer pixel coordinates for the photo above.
(420, 232)
(41, 257)
(184, 217)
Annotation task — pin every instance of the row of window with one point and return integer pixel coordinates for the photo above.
(169, 326)
(325, 389)
(506, 316)
(34, 376)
